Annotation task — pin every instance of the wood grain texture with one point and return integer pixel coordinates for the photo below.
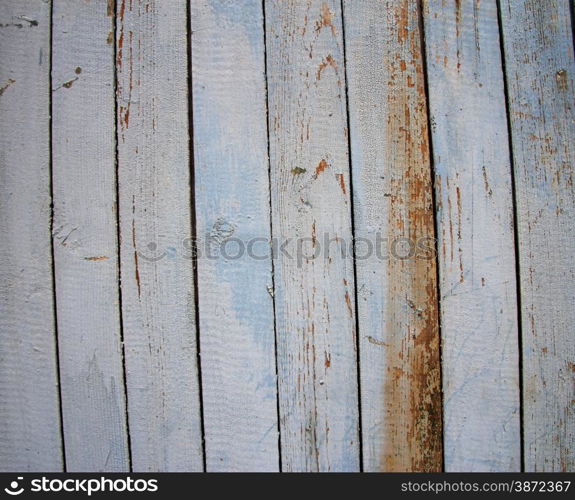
(233, 209)
(85, 246)
(476, 245)
(392, 193)
(540, 68)
(156, 221)
(314, 288)
(30, 417)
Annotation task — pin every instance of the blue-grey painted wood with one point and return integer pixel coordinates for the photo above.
(157, 279)
(310, 189)
(392, 198)
(540, 68)
(29, 408)
(85, 245)
(475, 241)
(233, 208)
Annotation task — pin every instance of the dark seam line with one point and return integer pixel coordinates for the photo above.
(51, 227)
(515, 232)
(119, 242)
(280, 464)
(194, 225)
(435, 217)
(572, 16)
(352, 219)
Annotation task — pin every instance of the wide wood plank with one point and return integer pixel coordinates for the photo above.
(85, 246)
(233, 209)
(29, 407)
(476, 244)
(314, 289)
(540, 68)
(155, 220)
(396, 271)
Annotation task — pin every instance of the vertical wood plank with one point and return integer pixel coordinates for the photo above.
(540, 68)
(85, 246)
(233, 209)
(476, 245)
(392, 192)
(30, 423)
(314, 290)
(158, 300)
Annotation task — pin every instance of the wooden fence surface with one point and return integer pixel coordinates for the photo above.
(287, 235)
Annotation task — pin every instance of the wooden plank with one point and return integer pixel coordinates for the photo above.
(475, 241)
(233, 208)
(315, 298)
(158, 300)
(85, 246)
(30, 424)
(392, 193)
(540, 68)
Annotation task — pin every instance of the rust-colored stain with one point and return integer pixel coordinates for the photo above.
(348, 303)
(328, 61)
(322, 165)
(97, 258)
(341, 181)
(124, 110)
(110, 8)
(458, 18)
(110, 39)
(326, 19)
(313, 235)
(403, 22)
(412, 382)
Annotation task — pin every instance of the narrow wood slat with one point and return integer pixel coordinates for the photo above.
(158, 301)
(540, 68)
(396, 270)
(30, 418)
(85, 246)
(476, 245)
(315, 298)
(233, 209)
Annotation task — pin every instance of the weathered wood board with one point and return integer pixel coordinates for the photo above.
(394, 229)
(320, 235)
(85, 237)
(235, 280)
(310, 191)
(29, 403)
(158, 302)
(540, 68)
(476, 242)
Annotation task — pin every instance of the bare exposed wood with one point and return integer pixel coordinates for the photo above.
(392, 193)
